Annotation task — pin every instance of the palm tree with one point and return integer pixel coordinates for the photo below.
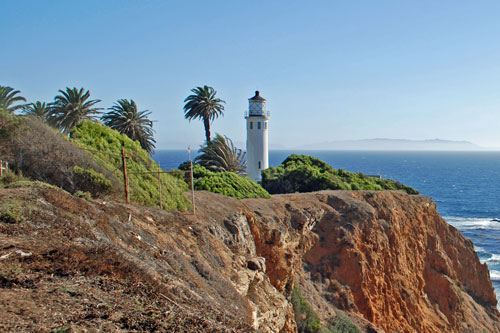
(203, 105)
(71, 107)
(221, 155)
(38, 109)
(125, 118)
(8, 98)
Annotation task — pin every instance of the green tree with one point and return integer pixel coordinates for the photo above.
(71, 107)
(8, 99)
(38, 109)
(125, 118)
(203, 105)
(220, 155)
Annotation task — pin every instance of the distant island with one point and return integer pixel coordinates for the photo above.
(395, 144)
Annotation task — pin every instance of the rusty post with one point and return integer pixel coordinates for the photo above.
(125, 179)
(192, 186)
(159, 185)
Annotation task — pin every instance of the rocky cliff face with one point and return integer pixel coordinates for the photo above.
(386, 259)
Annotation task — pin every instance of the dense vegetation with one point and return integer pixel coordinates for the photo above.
(302, 173)
(41, 153)
(74, 105)
(226, 183)
(105, 145)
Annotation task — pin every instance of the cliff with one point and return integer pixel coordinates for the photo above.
(386, 260)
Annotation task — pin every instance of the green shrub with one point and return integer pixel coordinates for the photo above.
(178, 174)
(341, 324)
(11, 177)
(105, 145)
(87, 180)
(12, 211)
(47, 156)
(83, 195)
(306, 319)
(302, 173)
(226, 183)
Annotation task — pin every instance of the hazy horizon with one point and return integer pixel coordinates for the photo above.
(330, 71)
(376, 144)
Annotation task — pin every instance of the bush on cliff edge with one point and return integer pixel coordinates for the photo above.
(226, 183)
(302, 173)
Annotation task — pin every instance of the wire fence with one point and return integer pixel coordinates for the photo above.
(122, 168)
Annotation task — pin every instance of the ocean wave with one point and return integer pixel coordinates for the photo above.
(479, 249)
(495, 275)
(473, 223)
(494, 258)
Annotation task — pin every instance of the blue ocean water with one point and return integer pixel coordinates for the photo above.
(465, 186)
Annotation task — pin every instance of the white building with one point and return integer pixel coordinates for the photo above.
(257, 136)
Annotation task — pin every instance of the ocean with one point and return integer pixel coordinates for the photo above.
(465, 186)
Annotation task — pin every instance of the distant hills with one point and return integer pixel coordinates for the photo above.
(393, 144)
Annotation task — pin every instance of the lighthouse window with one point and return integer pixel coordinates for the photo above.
(259, 161)
(258, 125)
(265, 125)
(251, 125)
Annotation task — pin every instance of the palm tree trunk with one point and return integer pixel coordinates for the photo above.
(206, 122)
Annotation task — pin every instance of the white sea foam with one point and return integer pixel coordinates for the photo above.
(468, 223)
(479, 249)
(494, 258)
(495, 275)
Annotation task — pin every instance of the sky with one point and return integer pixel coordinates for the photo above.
(330, 70)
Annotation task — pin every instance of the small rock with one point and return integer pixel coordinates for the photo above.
(257, 264)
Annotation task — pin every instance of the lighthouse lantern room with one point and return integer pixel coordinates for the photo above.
(257, 136)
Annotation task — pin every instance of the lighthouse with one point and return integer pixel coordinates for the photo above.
(257, 136)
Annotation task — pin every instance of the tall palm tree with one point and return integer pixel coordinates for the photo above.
(220, 155)
(8, 99)
(203, 105)
(125, 118)
(38, 109)
(71, 107)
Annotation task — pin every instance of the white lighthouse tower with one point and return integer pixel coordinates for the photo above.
(257, 136)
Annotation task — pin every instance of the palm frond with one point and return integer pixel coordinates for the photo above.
(71, 107)
(8, 99)
(203, 104)
(125, 118)
(221, 155)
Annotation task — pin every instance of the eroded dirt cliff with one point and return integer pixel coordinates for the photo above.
(386, 259)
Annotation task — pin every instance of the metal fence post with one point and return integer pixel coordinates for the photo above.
(125, 179)
(159, 185)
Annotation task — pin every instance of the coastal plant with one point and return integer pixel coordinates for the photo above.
(126, 119)
(12, 211)
(302, 173)
(341, 323)
(105, 145)
(221, 155)
(203, 104)
(226, 183)
(70, 107)
(9, 99)
(88, 180)
(40, 153)
(38, 109)
(306, 319)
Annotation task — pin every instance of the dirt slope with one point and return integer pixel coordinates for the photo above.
(385, 258)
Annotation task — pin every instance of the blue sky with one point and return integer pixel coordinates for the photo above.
(330, 70)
